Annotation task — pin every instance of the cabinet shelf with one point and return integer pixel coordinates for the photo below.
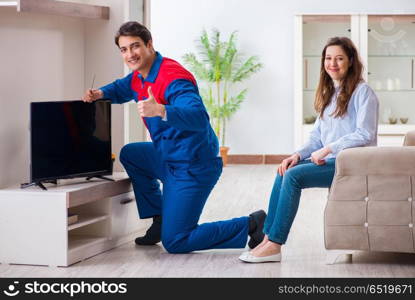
(394, 91)
(8, 3)
(77, 242)
(85, 220)
(376, 90)
(61, 8)
(106, 220)
(383, 129)
(391, 56)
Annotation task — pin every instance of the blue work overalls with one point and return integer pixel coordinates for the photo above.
(183, 156)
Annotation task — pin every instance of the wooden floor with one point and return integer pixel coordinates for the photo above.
(241, 190)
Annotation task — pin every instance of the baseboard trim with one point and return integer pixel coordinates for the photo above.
(256, 159)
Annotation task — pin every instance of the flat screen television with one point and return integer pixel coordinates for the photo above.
(69, 139)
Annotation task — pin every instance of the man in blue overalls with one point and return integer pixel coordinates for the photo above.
(183, 153)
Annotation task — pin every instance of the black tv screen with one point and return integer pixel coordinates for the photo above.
(70, 139)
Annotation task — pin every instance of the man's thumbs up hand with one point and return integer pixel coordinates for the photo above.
(150, 107)
(150, 93)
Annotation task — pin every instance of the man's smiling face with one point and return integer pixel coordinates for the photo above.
(136, 54)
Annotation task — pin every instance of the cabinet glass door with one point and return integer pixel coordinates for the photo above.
(391, 54)
(317, 30)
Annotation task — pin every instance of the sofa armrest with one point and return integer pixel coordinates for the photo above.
(409, 138)
(376, 160)
(370, 205)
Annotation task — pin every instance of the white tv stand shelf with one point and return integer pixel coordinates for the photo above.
(34, 223)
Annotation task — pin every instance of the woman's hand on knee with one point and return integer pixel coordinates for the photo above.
(288, 163)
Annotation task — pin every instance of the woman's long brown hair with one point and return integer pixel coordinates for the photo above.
(325, 89)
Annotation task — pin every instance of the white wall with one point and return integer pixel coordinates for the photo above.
(47, 57)
(266, 29)
(41, 59)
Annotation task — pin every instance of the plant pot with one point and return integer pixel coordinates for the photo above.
(224, 155)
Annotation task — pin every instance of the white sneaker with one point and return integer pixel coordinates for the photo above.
(246, 253)
(248, 257)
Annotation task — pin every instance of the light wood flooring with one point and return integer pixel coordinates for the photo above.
(241, 190)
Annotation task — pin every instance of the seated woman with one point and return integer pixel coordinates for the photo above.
(348, 117)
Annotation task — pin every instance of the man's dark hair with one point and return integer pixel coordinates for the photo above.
(133, 28)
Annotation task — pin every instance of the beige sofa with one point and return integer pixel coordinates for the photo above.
(370, 205)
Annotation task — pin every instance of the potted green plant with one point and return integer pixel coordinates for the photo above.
(219, 67)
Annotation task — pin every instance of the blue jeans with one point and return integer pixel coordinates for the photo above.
(286, 193)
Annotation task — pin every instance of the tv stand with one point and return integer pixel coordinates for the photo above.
(34, 225)
(101, 177)
(38, 183)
